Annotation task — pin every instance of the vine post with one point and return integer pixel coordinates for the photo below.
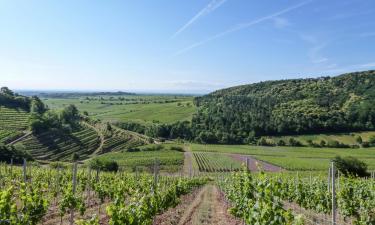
(74, 191)
(333, 193)
(24, 171)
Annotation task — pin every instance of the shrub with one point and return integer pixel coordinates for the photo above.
(358, 139)
(281, 143)
(365, 144)
(322, 143)
(103, 165)
(351, 166)
(177, 148)
(371, 140)
(264, 142)
(294, 142)
(336, 144)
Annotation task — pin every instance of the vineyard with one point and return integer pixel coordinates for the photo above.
(63, 196)
(262, 198)
(13, 118)
(208, 162)
(118, 139)
(59, 146)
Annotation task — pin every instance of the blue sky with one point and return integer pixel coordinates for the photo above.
(180, 46)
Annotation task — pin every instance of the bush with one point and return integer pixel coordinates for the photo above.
(371, 140)
(294, 142)
(281, 143)
(7, 153)
(336, 144)
(264, 142)
(177, 148)
(351, 166)
(103, 165)
(365, 144)
(358, 139)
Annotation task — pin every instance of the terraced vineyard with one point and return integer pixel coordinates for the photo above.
(7, 136)
(56, 146)
(13, 119)
(210, 162)
(121, 139)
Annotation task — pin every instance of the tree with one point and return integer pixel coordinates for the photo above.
(358, 139)
(6, 91)
(37, 106)
(351, 166)
(70, 115)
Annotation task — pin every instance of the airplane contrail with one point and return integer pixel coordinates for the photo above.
(212, 6)
(241, 27)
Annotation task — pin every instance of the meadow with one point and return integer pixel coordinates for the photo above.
(145, 157)
(135, 108)
(292, 158)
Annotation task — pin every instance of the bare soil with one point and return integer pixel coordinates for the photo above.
(254, 163)
(205, 206)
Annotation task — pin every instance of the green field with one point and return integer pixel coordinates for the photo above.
(292, 158)
(136, 108)
(211, 162)
(345, 138)
(144, 160)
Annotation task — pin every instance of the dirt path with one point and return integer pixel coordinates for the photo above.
(21, 138)
(101, 136)
(253, 163)
(204, 207)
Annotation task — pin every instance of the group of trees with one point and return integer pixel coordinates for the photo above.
(65, 120)
(300, 106)
(7, 153)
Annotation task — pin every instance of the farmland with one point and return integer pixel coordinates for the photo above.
(138, 108)
(292, 158)
(145, 158)
(56, 146)
(210, 162)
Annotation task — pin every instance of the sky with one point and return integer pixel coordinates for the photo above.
(192, 46)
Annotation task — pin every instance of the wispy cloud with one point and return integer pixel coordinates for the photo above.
(315, 54)
(242, 26)
(212, 6)
(280, 22)
(368, 65)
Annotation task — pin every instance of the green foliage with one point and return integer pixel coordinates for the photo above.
(351, 166)
(103, 165)
(9, 152)
(359, 139)
(336, 104)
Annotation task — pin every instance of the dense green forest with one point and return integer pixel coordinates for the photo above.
(298, 106)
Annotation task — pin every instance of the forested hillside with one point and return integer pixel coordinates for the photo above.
(321, 105)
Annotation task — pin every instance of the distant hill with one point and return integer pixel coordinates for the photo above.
(298, 106)
(67, 94)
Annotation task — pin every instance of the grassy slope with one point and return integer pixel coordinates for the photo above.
(162, 112)
(293, 158)
(347, 138)
(12, 123)
(56, 146)
(170, 160)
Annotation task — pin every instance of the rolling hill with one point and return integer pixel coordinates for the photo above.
(299, 106)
